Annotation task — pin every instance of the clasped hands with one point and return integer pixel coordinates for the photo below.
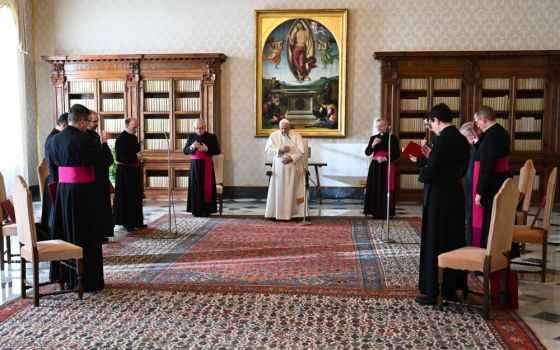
(425, 148)
(199, 146)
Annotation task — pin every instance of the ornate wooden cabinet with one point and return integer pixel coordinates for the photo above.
(522, 86)
(166, 92)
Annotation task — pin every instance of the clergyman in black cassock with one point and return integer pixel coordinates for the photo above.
(46, 209)
(201, 199)
(73, 156)
(104, 212)
(491, 169)
(127, 207)
(375, 202)
(443, 212)
(471, 132)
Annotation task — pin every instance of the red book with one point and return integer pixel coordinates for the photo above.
(52, 190)
(413, 149)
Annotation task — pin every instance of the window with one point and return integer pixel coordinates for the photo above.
(11, 138)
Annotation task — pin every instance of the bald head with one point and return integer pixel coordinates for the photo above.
(131, 125)
(200, 127)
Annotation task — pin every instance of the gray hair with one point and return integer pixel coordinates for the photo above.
(467, 128)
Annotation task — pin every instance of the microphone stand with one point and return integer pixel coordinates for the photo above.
(388, 239)
(170, 201)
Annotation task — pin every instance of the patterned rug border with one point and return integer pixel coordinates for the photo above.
(506, 325)
(217, 288)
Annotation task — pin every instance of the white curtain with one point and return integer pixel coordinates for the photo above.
(17, 8)
(12, 101)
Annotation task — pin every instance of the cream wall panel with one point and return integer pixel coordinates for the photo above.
(69, 27)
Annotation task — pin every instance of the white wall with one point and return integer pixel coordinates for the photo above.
(69, 27)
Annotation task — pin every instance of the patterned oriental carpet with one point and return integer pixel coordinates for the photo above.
(331, 256)
(233, 283)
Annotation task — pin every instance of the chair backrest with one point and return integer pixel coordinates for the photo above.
(2, 197)
(525, 185)
(25, 220)
(42, 173)
(550, 190)
(503, 217)
(219, 168)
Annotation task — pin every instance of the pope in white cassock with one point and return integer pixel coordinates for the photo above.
(287, 184)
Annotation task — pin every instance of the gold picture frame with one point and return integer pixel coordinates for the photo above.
(301, 71)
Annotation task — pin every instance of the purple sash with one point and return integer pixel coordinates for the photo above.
(75, 174)
(478, 212)
(208, 171)
(379, 154)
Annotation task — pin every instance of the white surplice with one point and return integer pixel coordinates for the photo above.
(287, 184)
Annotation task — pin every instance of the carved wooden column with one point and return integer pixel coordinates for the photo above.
(389, 87)
(132, 90)
(472, 88)
(211, 105)
(59, 83)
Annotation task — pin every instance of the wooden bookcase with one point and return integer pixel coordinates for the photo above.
(166, 92)
(522, 86)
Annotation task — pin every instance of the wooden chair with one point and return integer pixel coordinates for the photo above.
(219, 173)
(42, 173)
(539, 235)
(36, 252)
(495, 256)
(8, 229)
(525, 188)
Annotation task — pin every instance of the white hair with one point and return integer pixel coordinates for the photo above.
(285, 121)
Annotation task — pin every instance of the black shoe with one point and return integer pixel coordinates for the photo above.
(424, 300)
(128, 228)
(142, 226)
(450, 297)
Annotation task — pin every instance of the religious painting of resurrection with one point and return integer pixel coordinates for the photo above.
(301, 71)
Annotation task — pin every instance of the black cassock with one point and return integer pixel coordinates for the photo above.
(195, 199)
(468, 191)
(494, 144)
(46, 210)
(443, 213)
(375, 202)
(127, 208)
(104, 220)
(74, 211)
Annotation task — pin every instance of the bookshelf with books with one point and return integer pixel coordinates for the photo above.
(166, 92)
(522, 86)
(112, 107)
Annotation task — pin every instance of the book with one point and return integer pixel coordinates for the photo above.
(413, 149)
(52, 190)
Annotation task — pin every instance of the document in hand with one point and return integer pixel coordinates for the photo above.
(413, 149)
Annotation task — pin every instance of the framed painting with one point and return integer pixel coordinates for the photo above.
(301, 71)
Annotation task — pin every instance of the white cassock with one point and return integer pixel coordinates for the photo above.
(287, 184)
